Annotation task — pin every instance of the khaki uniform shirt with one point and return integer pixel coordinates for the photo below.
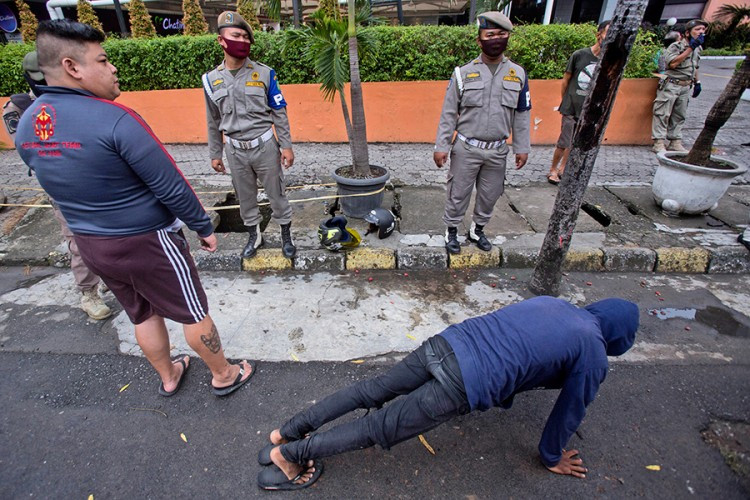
(688, 68)
(243, 106)
(490, 107)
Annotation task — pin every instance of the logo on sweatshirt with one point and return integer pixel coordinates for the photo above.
(44, 122)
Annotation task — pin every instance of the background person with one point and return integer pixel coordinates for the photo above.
(86, 281)
(673, 94)
(243, 102)
(486, 100)
(123, 197)
(478, 364)
(576, 85)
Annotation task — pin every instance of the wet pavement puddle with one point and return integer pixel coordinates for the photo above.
(717, 318)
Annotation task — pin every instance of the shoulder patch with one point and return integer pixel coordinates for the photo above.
(255, 75)
(216, 82)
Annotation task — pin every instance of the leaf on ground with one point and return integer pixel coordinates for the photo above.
(124, 387)
(91, 497)
(358, 361)
(182, 435)
(411, 337)
(653, 467)
(426, 444)
(294, 356)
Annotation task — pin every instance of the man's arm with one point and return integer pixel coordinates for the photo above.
(567, 414)
(522, 126)
(145, 154)
(215, 137)
(280, 120)
(565, 82)
(447, 123)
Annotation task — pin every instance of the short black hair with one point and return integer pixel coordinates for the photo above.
(50, 34)
(602, 25)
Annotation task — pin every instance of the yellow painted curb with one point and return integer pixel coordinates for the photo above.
(269, 258)
(682, 260)
(471, 257)
(584, 259)
(371, 258)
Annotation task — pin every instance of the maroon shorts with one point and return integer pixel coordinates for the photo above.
(149, 274)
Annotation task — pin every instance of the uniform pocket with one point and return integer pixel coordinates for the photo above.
(473, 93)
(511, 93)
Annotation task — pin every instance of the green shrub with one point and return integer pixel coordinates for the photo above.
(721, 52)
(404, 53)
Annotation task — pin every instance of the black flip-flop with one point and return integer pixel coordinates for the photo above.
(264, 455)
(238, 382)
(552, 181)
(272, 478)
(185, 367)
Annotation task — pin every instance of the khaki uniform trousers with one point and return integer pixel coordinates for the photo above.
(670, 111)
(472, 166)
(84, 278)
(247, 167)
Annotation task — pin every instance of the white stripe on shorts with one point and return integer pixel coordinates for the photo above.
(182, 270)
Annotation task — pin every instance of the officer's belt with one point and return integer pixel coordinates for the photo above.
(681, 83)
(480, 144)
(250, 144)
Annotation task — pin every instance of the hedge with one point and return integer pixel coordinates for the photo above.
(404, 53)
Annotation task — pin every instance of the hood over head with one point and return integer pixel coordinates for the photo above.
(618, 320)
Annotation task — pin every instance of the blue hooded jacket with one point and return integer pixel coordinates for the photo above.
(546, 343)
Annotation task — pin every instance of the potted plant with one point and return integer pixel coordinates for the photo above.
(325, 42)
(693, 182)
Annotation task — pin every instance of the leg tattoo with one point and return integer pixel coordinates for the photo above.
(213, 342)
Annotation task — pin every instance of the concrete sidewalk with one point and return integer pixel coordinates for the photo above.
(620, 228)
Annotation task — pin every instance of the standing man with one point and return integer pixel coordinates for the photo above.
(243, 101)
(672, 95)
(486, 100)
(123, 197)
(86, 281)
(481, 363)
(576, 85)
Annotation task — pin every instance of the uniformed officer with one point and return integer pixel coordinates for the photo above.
(243, 102)
(670, 106)
(486, 100)
(86, 281)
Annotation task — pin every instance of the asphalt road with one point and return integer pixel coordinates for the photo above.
(68, 431)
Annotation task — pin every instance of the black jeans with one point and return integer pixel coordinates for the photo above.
(430, 381)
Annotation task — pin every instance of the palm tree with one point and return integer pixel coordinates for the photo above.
(720, 112)
(735, 14)
(325, 43)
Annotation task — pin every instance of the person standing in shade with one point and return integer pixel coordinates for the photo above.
(673, 93)
(576, 85)
(244, 105)
(486, 100)
(86, 281)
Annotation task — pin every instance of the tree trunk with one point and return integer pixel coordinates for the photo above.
(360, 154)
(347, 121)
(720, 112)
(358, 140)
(586, 141)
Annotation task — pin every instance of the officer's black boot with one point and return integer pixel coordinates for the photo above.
(476, 234)
(254, 241)
(287, 245)
(451, 240)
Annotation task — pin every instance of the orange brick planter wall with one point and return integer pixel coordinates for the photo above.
(396, 112)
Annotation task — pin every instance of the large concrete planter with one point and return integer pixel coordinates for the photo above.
(682, 188)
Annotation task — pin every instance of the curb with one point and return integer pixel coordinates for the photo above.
(721, 260)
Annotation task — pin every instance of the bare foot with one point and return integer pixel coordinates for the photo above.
(292, 470)
(170, 384)
(276, 437)
(231, 374)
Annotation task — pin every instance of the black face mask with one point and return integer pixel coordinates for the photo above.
(494, 47)
(33, 84)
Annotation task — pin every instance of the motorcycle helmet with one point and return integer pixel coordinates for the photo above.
(381, 221)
